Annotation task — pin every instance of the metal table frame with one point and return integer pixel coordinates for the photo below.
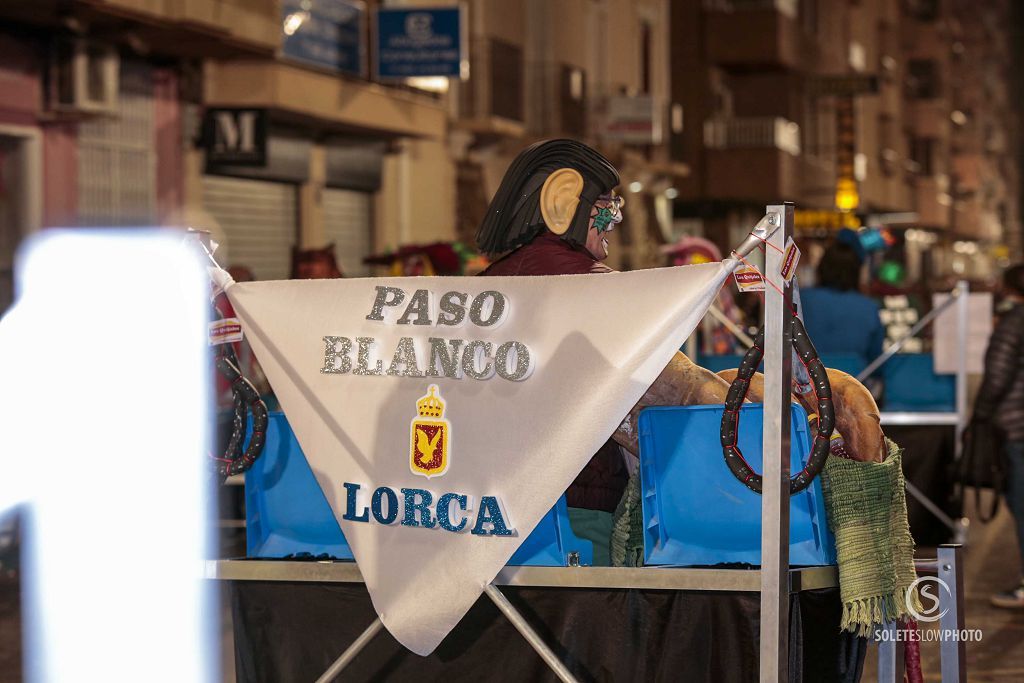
(891, 663)
(958, 419)
(650, 578)
(775, 581)
(646, 578)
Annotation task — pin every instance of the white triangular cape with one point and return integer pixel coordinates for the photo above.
(597, 343)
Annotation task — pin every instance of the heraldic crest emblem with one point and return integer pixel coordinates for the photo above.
(431, 436)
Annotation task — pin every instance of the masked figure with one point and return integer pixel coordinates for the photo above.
(552, 215)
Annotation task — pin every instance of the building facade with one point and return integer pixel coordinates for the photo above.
(858, 110)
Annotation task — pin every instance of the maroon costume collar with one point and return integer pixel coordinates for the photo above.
(547, 254)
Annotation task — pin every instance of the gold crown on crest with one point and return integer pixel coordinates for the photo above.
(430, 405)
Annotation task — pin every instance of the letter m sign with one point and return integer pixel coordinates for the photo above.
(235, 136)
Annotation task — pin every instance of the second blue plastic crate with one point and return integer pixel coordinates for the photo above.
(696, 513)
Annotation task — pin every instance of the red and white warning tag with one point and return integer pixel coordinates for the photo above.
(748, 279)
(790, 259)
(226, 331)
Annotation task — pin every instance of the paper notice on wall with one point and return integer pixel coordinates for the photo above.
(947, 338)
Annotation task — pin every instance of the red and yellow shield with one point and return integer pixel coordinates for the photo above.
(430, 436)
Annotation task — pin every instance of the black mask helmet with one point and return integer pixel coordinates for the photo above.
(514, 216)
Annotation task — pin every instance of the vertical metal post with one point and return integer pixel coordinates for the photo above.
(962, 321)
(775, 491)
(891, 662)
(952, 647)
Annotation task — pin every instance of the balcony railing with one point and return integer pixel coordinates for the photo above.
(789, 8)
(752, 132)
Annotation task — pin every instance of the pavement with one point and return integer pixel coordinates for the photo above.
(992, 565)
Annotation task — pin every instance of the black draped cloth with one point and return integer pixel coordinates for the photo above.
(294, 631)
(928, 453)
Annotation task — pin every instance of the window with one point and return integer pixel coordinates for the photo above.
(923, 10)
(922, 153)
(506, 80)
(573, 99)
(645, 58)
(809, 16)
(888, 158)
(923, 82)
(116, 161)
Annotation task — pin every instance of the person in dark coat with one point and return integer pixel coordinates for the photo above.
(1001, 402)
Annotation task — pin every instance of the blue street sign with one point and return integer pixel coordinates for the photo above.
(325, 33)
(418, 42)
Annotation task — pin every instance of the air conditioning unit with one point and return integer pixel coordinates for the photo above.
(83, 77)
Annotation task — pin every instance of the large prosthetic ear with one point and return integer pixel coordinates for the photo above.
(559, 198)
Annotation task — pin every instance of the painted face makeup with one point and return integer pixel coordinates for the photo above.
(605, 214)
(609, 213)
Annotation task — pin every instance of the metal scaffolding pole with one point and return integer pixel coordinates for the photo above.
(775, 493)
(348, 655)
(963, 289)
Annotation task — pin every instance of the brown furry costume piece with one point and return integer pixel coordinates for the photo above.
(857, 418)
(684, 383)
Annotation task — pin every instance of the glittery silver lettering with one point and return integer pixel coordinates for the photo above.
(497, 308)
(448, 362)
(477, 351)
(363, 358)
(419, 308)
(332, 352)
(521, 356)
(453, 308)
(382, 300)
(403, 364)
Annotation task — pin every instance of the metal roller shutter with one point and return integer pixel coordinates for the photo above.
(259, 221)
(347, 223)
(116, 160)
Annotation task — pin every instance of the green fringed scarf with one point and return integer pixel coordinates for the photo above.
(867, 512)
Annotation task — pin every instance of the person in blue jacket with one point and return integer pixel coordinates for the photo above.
(837, 316)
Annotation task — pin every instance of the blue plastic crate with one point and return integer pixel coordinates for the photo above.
(850, 363)
(287, 512)
(911, 384)
(696, 513)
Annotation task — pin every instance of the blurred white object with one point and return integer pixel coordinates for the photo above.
(979, 329)
(104, 398)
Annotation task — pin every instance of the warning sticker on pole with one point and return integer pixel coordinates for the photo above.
(790, 259)
(749, 279)
(226, 331)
